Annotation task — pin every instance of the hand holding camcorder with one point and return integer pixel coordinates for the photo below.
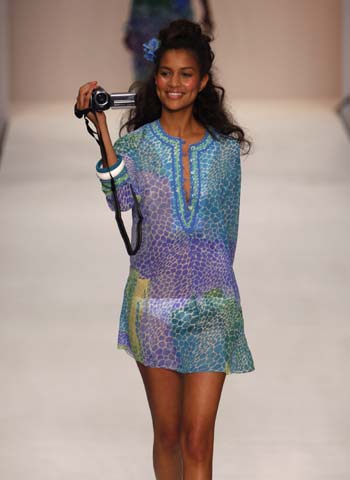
(94, 98)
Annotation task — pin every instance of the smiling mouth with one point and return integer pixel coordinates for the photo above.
(174, 95)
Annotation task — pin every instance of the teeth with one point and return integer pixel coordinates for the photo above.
(172, 94)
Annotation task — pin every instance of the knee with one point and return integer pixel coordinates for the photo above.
(167, 437)
(196, 444)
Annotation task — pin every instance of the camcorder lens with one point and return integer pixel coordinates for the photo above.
(101, 98)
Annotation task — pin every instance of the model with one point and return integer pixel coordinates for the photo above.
(181, 319)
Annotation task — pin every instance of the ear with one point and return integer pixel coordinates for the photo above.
(204, 82)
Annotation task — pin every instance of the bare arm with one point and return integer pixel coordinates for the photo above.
(207, 19)
(98, 119)
(115, 166)
(106, 138)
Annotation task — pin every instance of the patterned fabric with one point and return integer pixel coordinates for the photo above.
(146, 18)
(181, 307)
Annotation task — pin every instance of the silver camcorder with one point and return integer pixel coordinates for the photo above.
(101, 100)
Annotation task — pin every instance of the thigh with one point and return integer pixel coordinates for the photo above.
(164, 394)
(201, 397)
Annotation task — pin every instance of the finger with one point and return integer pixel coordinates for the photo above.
(88, 95)
(81, 101)
(85, 88)
(83, 91)
(84, 97)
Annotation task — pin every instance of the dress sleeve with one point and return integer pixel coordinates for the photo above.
(234, 191)
(237, 184)
(124, 177)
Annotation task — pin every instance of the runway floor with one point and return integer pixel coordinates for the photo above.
(73, 406)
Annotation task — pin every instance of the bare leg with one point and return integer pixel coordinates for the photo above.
(201, 396)
(164, 391)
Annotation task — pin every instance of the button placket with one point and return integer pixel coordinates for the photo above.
(186, 212)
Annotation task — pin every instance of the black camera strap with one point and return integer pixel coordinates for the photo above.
(118, 215)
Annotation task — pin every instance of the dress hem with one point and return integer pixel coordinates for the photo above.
(227, 371)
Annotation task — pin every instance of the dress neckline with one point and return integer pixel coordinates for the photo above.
(187, 211)
(172, 137)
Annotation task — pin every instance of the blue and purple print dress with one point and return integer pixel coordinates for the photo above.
(181, 305)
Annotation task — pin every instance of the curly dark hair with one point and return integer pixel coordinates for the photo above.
(209, 108)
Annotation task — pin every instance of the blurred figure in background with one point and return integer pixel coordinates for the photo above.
(146, 19)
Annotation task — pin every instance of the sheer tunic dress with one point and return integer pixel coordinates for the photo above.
(181, 306)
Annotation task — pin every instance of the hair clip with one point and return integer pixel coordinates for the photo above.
(150, 49)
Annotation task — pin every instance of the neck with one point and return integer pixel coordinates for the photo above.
(180, 124)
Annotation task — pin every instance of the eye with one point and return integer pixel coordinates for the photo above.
(187, 74)
(163, 74)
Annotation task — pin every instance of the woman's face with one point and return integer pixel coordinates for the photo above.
(178, 79)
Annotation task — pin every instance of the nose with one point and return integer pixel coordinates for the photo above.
(174, 80)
